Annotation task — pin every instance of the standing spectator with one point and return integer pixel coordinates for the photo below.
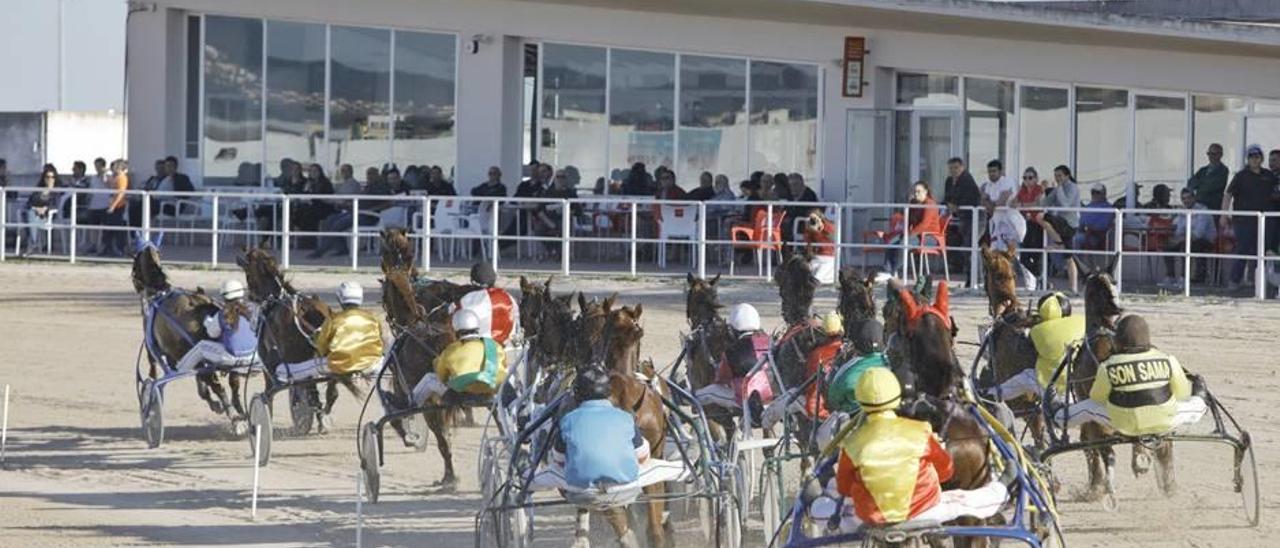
(113, 241)
(706, 188)
(40, 203)
(157, 181)
(1210, 181)
(1028, 200)
(1203, 235)
(667, 187)
(1273, 223)
(78, 180)
(1251, 189)
(1005, 227)
(959, 193)
(1094, 226)
(347, 183)
(638, 182)
(1059, 227)
(98, 202)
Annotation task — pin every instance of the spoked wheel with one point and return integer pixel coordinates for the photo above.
(1246, 482)
(515, 528)
(260, 419)
(300, 409)
(369, 460)
(486, 529)
(771, 498)
(152, 401)
(730, 515)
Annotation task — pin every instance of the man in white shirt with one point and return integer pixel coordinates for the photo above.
(1005, 226)
(1203, 236)
(98, 203)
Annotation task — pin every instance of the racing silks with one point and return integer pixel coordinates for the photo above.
(1141, 391)
(892, 468)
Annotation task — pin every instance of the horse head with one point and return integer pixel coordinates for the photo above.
(533, 299)
(1001, 275)
(399, 300)
(397, 251)
(148, 275)
(701, 300)
(1101, 298)
(796, 286)
(312, 313)
(857, 295)
(622, 335)
(262, 274)
(929, 334)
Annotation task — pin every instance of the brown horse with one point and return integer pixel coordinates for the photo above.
(397, 252)
(709, 337)
(796, 286)
(421, 335)
(642, 398)
(857, 301)
(286, 324)
(1008, 348)
(928, 338)
(173, 338)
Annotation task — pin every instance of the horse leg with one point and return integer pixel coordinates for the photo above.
(1038, 428)
(1097, 468)
(216, 386)
(438, 422)
(237, 401)
(657, 517)
(204, 382)
(617, 518)
(1164, 468)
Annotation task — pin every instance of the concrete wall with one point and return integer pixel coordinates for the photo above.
(487, 123)
(83, 136)
(62, 55)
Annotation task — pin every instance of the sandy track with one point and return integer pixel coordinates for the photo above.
(78, 473)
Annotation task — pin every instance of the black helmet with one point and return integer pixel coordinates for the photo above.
(592, 384)
(482, 274)
(1133, 334)
(869, 337)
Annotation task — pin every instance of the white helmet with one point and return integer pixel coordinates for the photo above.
(465, 320)
(350, 293)
(232, 289)
(744, 317)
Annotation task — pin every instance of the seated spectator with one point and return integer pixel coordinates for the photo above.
(1029, 197)
(722, 194)
(414, 179)
(1059, 227)
(780, 190)
(920, 220)
(347, 183)
(39, 204)
(547, 216)
(1094, 226)
(797, 191)
(667, 187)
(491, 187)
(308, 214)
(706, 188)
(1203, 235)
(157, 181)
(342, 220)
(437, 185)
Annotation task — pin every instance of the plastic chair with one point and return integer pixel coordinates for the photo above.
(47, 225)
(936, 247)
(449, 219)
(760, 237)
(882, 237)
(185, 213)
(676, 222)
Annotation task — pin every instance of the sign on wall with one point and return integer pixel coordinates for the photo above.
(854, 52)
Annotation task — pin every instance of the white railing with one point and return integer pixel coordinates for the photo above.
(606, 221)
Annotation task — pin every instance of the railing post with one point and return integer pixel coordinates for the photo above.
(768, 241)
(426, 233)
(1118, 223)
(634, 223)
(75, 212)
(286, 219)
(839, 220)
(4, 223)
(566, 230)
(146, 217)
(493, 232)
(213, 233)
(1186, 255)
(906, 240)
(355, 233)
(702, 240)
(975, 219)
(1259, 267)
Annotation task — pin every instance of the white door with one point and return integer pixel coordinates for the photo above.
(867, 155)
(936, 136)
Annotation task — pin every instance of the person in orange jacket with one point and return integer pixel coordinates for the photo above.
(820, 359)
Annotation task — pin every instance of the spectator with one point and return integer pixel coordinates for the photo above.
(1273, 223)
(308, 214)
(959, 193)
(547, 217)
(98, 203)
(535, 184)
(667, 187)
(638, 182)
(1094, 226)
(347, 183)
(437, 185)
(152, 183)
(706, 188)
(113, 241)
(820, 242)
(1210, 181)
(752, 214)
(1203, 236)
(1005, 226)
(781, 188)
(920, 220)
(174, 180)
(1059, 227)
(722, 193)
(291, 179)
(1028, 200)
(4, 178)
(1251, 189)
(341, 221)
(491, 187)
(575, 176)
(529, 188)
(414, 179)
(797, 191)
(40, 203)
(78, 180)
(601, 187)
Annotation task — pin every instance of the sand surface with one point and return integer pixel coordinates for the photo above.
(77, 472)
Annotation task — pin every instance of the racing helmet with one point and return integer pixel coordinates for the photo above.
(1054, 306)
(592, 383)
(465, 320)
(869, 337)
(832, 323)
(878, 390)
(232, 289)
(744, 317)
(483, 275)
(351, 293)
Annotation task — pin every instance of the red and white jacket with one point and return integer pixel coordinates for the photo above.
(499, 313)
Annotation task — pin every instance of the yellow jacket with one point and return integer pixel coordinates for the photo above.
(474, 365)
(1141, 391)
(351, 340)
(1051, 338)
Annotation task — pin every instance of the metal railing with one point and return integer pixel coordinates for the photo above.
(631, 223)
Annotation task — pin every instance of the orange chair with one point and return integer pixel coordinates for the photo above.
(760, 237)
(932, 243)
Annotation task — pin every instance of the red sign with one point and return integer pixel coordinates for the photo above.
(855, 51)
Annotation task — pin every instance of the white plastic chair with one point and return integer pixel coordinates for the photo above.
(676, 222)
(185, 213)
(47, 224)
(450, 220)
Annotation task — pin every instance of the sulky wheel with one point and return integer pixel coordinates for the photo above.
(730, 515)
(369, 461)
(1246, 482)
(152, 402)
(301, 410)
(771, 498)
(260, 420)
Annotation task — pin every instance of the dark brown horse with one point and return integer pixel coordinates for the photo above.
(796, 286)
(287, 322)
(709, 336)
(857, 301)
(421, 335)
(1009, 349)
(177, 327)
(397, 252)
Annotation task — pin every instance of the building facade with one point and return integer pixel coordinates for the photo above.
(730, 87)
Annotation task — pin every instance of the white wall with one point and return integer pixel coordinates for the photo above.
(83, 136)
(62, 55)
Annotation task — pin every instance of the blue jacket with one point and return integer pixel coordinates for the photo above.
(240, 340)
(1100, 221)
(598, 441)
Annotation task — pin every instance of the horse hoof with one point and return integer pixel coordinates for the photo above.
(240, 428)
(324, 424)
(1094, 494)
(448, 484)
(1141, 464)
(1170, 488)
(411, 439)
(216, 407)
(581, 542)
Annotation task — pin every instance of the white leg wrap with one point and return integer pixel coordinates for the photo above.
(314, 367)
(430, 385)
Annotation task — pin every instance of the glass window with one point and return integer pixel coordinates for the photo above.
(425, 113)
(295, 93)
(1159, 144)
(988, 116)
(1045, 131)
(574, 127)
(192, 148)
(928, 90)
(641, 111)
(784, 119)
(1219, 120)
(902, 170)
(713, 121)
(359, 97)
(1102, 139)
(232, 101)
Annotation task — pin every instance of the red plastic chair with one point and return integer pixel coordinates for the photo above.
(932, 244)
(758, 237)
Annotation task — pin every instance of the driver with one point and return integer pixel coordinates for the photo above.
(497, 311)
(232, 340)
(1056, 330)
(867, 343)
(473, 364)
(349, 342)
(818, 361)
(731, 386)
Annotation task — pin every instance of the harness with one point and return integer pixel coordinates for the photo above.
(153, 306)
(266, 333)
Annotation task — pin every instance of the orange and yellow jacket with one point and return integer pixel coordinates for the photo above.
(819, 358)
(892, 468)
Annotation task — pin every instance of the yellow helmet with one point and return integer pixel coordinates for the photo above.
(1054, 306)
(832, 323)
(878, 390)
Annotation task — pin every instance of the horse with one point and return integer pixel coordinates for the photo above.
(1009, 349)
(421, 335)
(928, 339)
(397, 252)
(796, 286)
(708, 340)
(857, 301)
(173, 338)
(287, 320)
